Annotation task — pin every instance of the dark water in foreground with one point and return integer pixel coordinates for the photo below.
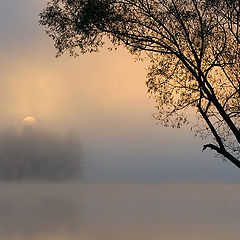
(120, 212)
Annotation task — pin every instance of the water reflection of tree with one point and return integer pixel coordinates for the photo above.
(193, 46)
(39, 154)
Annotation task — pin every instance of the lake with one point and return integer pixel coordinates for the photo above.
(113, 211)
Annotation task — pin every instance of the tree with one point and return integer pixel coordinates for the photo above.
(193, 47)
(39, 154)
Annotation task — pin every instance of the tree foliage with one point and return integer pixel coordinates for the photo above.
(193, 47)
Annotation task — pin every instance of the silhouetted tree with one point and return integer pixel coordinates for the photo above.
(193, 47)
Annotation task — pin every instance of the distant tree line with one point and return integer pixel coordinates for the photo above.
(39, 154)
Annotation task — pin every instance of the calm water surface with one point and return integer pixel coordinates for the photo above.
(119, 212)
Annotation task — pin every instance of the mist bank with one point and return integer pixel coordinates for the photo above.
(39, 154)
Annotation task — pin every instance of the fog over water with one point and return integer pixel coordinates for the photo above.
(101, 95)
(119, 211)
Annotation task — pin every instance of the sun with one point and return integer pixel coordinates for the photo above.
(29, 120)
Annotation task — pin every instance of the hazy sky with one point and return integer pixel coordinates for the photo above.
(103, 96)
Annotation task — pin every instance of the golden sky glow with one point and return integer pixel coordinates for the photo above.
(65, 91)
(103, 95)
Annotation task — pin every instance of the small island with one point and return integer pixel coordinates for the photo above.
(33, 153)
